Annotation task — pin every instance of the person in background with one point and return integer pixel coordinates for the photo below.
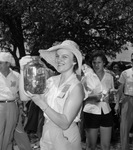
(9, 83)
(91, 85)
(126, 89)
(62, 99)
(116, 71)
(97, 111)
(20, 136)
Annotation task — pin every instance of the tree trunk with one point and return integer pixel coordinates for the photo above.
(16, 33)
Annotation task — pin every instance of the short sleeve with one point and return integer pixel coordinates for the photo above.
(122, 78)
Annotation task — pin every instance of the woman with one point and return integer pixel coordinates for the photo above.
(97, 112)
(62, 99)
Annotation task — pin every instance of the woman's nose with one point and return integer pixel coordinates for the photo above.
(59, 59)
(96, 65)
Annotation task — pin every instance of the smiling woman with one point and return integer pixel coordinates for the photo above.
(64, 60)
(62, 99)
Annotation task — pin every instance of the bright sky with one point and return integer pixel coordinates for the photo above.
(125, 55)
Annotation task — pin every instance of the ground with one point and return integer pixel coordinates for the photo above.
(115, 143)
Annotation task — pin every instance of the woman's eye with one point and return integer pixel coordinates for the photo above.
(64, 57)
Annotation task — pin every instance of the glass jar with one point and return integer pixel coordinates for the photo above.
(35, 76)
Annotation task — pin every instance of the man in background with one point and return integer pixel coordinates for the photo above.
(126, 89)
(9, 81)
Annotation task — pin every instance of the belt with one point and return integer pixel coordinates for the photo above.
(7, 101)
(129, 95)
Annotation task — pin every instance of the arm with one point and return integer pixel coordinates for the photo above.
(23, 61)
(71, 108)
(119, 92)
(93, 98)
(110, 90)
(122, 81)
(22, 94)
(118, 97)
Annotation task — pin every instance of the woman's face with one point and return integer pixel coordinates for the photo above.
(98, 64)
(115, 68)
(64, 60)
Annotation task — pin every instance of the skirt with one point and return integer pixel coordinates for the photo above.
(54, 138)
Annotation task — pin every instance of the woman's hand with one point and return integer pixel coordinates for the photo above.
(24, 60)
(105, 97)
(99, 96)
(113, 91)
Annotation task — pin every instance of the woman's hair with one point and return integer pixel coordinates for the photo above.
(101, 55)
(87, 59)
(76, 65)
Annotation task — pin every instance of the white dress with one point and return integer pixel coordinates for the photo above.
(53, 137)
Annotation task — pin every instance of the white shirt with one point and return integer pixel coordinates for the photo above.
(56, 95)
(9, 86)
(126, 78)
(91, 83)
(106, 84)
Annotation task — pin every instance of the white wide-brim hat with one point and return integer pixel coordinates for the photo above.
(50, 54)
(7, 57)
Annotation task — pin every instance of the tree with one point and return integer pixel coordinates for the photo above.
(104, 25)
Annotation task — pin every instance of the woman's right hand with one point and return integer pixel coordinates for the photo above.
(24, 60)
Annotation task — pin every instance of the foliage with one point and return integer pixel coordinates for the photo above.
(104, 25)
